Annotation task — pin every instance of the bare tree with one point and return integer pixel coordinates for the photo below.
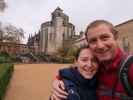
(13, 34)
(9, 32)
(1, 32)
(3, 5)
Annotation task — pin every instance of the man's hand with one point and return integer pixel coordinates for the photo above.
(58, 92)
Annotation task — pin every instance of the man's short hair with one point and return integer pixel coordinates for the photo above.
(96, 23)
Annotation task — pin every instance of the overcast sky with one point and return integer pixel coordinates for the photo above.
(29, 14)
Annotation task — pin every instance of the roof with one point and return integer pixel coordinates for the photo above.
(126, 22)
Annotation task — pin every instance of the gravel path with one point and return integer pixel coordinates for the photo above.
(32, 81)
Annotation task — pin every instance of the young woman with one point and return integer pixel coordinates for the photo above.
(79, 79)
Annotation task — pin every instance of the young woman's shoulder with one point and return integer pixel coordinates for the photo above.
(67, 72)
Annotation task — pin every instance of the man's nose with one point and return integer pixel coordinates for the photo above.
(99, 44)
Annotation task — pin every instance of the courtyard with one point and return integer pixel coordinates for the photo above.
(32, 81)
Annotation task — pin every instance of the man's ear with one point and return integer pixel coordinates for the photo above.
(116, 34)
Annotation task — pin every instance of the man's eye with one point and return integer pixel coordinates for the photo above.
(92, 41)
(104, 38)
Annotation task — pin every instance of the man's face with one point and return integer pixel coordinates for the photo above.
(102, 42)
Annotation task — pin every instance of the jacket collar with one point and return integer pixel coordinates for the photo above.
(113, 65)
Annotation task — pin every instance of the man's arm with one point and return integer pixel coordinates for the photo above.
(58, 90)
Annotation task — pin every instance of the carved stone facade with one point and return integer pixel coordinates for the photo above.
(53, 33)
(33, 43)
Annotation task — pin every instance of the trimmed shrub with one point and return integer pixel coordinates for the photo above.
(5, 57)
(6, 71)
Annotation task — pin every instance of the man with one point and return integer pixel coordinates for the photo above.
(102, 40)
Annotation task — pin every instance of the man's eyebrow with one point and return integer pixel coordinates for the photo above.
(84, 57)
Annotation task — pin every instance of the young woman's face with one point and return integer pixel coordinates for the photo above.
(87, 65)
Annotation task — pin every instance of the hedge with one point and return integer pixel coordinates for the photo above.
(6, 71)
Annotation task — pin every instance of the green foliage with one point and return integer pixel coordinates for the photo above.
(69, 59)
(6, 71)
(4, 54)
(16, 59)
(66, 55)
(71, 52)
(62, 51)
(5, 57)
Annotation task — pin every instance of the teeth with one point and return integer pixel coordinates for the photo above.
(90, 70)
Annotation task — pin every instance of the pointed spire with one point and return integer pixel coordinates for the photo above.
(35, 33)
(29, 37)
(58, 9)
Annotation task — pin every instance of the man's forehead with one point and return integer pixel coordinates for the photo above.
(99, 28)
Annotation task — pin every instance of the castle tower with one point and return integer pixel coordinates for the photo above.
(58, 20)
(54, 32)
